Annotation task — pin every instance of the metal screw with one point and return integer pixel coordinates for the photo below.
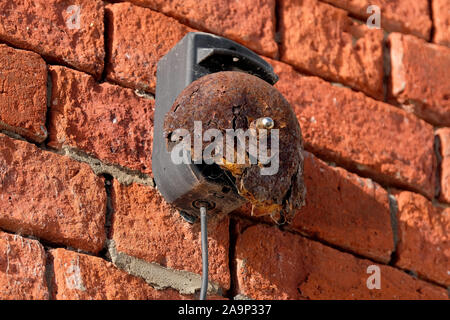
(265, 123)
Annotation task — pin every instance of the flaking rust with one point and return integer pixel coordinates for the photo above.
(236, 100)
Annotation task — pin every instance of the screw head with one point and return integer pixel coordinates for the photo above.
(265, 123)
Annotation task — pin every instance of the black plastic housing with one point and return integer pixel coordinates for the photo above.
(190, 186)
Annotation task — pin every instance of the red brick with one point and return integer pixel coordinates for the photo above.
(250, 22)
(396, 15)
(441, 21)
(138, 37)
(444, 138)
(83, 277)
(345, 210)
(146, 227)
(342, 209)
(105, 121)
(424, 237)
(22, 269)
(419, 77)
(361, 134)
(50, 196)
(272, 264)
(322, 40)
(43, 26)
(23, 91)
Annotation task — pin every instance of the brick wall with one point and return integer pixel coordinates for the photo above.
(80, 217)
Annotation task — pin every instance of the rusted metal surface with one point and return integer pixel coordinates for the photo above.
(236, 100)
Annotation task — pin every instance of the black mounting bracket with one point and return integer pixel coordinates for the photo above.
(189, 186)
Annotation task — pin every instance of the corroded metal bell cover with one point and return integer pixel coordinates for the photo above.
(237, 100)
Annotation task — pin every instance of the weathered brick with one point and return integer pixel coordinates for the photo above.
(419, 77)
(288, 266)
(105, 121)
(138, 37)
(346, 210)
(236, 20)
(359, 133)
(146, 227)
(441, 21)
(424, 237)
(444, 141)
(342, 209)
(83, 277)
(396, 15)
(322, 40)
(63, 31)
(23, 93)
(50, 196)
(22, 269)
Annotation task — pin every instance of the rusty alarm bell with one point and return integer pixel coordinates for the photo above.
(223, 134)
